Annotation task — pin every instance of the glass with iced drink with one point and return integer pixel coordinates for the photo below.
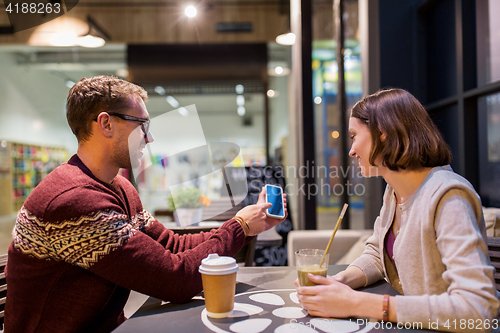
(218, 275)
(308, 261)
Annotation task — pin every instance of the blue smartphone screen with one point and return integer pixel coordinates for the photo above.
(274, 196)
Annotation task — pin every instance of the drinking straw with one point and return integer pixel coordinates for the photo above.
(333, 235)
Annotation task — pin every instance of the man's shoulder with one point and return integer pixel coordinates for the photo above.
(123, 182)
(65, 188)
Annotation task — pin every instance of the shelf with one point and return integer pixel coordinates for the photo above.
(24, 166)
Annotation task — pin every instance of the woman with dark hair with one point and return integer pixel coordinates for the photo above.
(429, 239)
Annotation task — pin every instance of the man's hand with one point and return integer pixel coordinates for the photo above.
(271, 221)
(255, 215)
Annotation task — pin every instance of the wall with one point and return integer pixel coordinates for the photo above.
(32, 106)
(278, 112)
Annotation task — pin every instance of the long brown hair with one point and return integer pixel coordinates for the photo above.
(412, 140)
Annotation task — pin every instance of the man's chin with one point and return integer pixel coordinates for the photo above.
(135, 163)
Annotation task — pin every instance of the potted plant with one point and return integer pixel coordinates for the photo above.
(187, 204)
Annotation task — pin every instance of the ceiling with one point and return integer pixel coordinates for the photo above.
(73, 63)
(163, 21)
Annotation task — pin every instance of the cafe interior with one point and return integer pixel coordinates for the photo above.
(262, 87)
(260, 78)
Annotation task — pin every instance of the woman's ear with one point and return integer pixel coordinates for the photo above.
(383, 136)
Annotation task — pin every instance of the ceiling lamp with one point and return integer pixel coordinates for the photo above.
(286, 38)
(277, 70)
(90, 41)
(68, 31)
(272, 93)
(172, 101)
(239, 88)
(190, 11)
(62, 31)
(95, 36)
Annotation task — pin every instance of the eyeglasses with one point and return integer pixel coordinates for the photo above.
(144, 122)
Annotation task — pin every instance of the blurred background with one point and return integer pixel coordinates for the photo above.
(279, 100)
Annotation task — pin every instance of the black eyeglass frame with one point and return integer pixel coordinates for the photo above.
(144, 122)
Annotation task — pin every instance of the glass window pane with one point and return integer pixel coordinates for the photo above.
(440, 46)
(489, 149)
(327, 127)
(488, 40)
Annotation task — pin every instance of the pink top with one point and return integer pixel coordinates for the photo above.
(389, 244)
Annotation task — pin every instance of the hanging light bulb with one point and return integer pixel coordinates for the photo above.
(90, 41)
(190, 11)
(286, 39)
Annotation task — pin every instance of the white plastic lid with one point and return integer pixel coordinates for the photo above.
(215, 265)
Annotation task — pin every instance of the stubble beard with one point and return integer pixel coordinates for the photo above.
(121, 154)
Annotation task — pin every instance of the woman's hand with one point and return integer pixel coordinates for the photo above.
(330, 298)
(255, 215)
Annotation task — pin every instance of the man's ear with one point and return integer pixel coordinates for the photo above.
(104, 124)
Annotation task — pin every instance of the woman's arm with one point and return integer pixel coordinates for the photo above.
(470, 296)
(331, 298)
(471, 293)
(353, 276)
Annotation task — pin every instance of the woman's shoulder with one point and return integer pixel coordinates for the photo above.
(443, 179)
(444, 176)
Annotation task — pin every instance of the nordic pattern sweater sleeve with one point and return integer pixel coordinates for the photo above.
(115, 246)
(79, 245)
(170, 271)
(170, 239)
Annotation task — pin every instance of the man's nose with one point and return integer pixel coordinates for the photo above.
(149, 138)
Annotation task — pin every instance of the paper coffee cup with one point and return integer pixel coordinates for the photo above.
(218, 275)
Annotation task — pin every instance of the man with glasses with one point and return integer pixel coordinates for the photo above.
(82, 239)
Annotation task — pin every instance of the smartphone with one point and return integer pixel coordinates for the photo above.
(274, 195)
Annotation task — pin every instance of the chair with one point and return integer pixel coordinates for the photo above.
(347, 245)
(3, 288)
(494, 252)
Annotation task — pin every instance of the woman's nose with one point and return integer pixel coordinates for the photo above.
(149, 138)
(352, 153)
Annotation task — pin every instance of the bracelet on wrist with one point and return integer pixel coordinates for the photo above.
(243, 224)
(385, 308)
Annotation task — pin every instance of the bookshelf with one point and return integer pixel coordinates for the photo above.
(22, 167)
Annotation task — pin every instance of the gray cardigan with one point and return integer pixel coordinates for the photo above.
(440, 255)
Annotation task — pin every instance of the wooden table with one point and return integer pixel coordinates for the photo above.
(157, 316)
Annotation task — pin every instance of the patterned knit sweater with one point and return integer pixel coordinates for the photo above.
(80, 245)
